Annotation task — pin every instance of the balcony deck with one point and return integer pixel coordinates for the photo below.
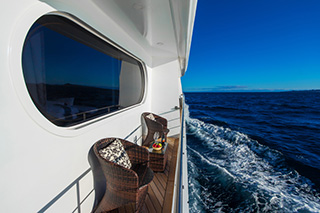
(160, 191)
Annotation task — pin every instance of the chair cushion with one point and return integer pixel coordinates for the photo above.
(115, 153)
(151, 117)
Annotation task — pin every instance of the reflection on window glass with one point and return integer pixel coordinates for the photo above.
(73, 76)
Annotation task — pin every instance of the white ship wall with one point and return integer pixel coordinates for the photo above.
(45, 167)
(166, 90)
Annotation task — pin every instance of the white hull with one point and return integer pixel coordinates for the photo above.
(45, 167)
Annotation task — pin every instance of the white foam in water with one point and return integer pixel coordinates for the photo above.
(256, 168)
(194, 190)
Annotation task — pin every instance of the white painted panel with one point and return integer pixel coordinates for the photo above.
(86, 207)
(86, 186)
(166, 90)
(39, 160)
(66, 204)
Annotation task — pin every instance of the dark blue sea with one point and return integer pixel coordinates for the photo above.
(254, 152)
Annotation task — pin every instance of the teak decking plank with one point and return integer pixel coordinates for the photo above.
(156, 193)
(160, 191)
(149, 205)
(154, 200)
(159, 185)
(162, 179)
(171, 176)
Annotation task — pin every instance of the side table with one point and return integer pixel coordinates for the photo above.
(158, 159)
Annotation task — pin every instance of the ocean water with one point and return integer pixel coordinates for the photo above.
(253, 152)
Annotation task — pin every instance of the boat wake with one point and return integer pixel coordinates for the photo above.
(228, 171)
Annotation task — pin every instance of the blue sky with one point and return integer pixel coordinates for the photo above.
(255, 45)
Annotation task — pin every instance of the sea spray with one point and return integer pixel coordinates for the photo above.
(228, 171)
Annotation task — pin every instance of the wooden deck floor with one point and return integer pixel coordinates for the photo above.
(160, 192)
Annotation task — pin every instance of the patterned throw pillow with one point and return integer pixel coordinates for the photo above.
(151, 117)
(115, 153)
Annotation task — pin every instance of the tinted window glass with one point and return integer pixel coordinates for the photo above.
(72, 75)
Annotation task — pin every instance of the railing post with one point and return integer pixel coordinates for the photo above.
(183, 198)
(181, 105)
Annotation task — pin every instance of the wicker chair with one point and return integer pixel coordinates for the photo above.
(116, 186)
(150, 126)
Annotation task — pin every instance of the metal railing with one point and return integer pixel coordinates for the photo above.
(183, 199)
(76, 182)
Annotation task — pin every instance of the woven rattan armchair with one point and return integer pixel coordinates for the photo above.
(150, 126)
(116, 186)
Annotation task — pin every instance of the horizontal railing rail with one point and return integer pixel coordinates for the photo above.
(71, 185)
(183, 200)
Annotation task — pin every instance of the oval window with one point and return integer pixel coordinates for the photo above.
(73, 75)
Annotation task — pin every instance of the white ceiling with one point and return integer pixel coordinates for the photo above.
(146, 28)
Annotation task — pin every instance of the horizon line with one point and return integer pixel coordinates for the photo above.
(250, 91)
